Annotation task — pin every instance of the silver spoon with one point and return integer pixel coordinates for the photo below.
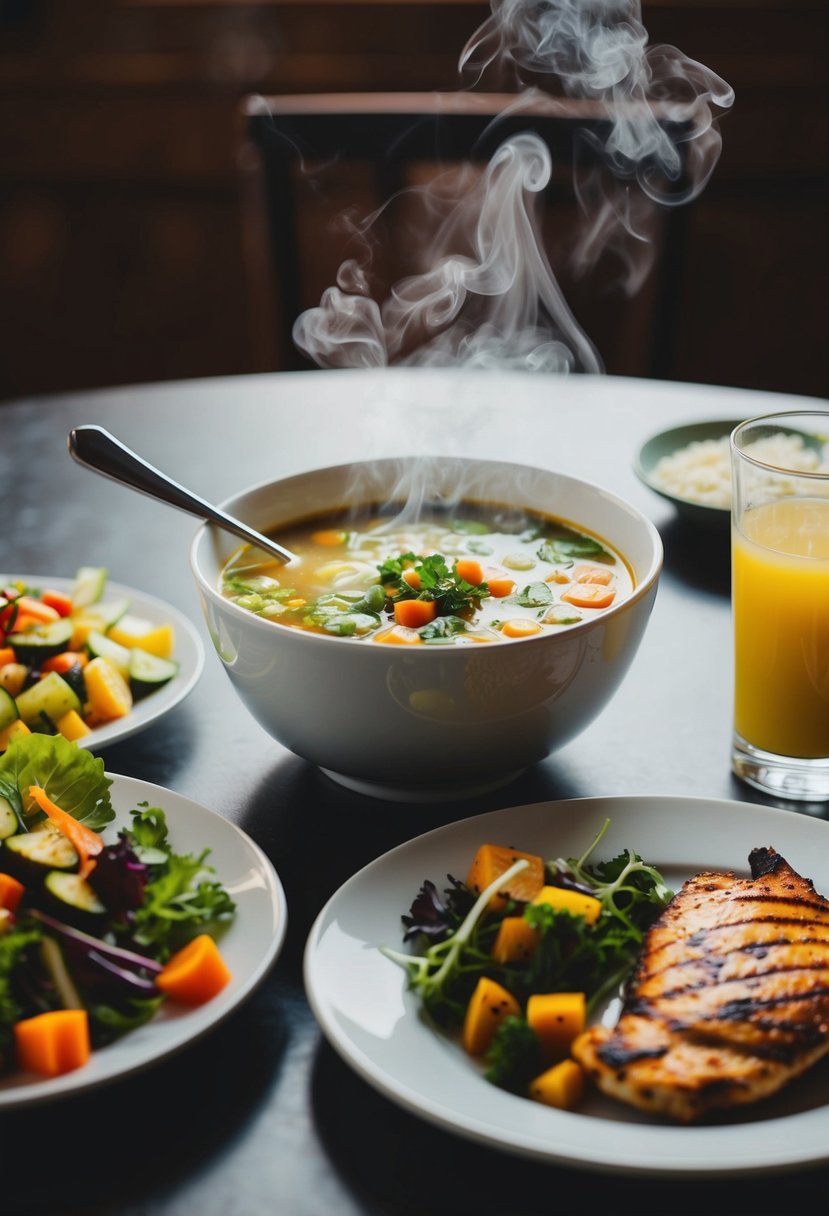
(95, 448)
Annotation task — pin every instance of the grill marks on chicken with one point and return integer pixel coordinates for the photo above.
(729, 1000)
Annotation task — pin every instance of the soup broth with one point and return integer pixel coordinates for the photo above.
(478, 574)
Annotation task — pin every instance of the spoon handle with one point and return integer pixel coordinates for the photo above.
(99, 450)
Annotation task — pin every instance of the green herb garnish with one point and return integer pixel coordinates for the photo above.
(453, 595)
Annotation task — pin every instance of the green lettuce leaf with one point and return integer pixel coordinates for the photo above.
(71, 776)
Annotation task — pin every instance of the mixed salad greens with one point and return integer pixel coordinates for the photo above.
(105, 930)
(71, 661)
(518, 956)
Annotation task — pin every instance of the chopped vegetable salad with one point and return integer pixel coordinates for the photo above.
(70, 662)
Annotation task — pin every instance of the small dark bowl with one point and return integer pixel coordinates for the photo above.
(665, 444)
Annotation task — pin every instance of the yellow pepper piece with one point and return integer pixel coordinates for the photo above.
(15, 730)
(492, 860)
(158, 641)
(515, 941)
(570, 901)
(489, 1004)
(556, 1017)
(107, 692)
(561, 1086)
(72, 726)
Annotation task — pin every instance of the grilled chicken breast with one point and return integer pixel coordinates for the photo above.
(729, 1000)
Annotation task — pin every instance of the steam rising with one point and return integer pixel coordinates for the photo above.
(488, 295)
(598, 49)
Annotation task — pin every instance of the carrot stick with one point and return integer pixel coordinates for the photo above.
(59, 600)
(7, 655)
(65, 661)
(195, 974)
(413, 613)
(86, 843)
(28, 608)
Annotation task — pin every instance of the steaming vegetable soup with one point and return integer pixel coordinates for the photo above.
(477, 575)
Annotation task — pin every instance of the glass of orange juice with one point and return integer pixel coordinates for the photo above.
(780, 600)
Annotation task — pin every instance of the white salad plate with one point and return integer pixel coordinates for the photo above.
(188, 652)
(366, 1011)
(249, 946)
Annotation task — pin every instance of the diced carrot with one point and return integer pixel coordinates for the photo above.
(556, 1017)
(65, 661)
(588, 595)
(86, 843)
(53, 1043)
(195, 974)
(330, 537)
(558, 576)
(489, 1004)
(414, 613)
(11, 892)
(516, 940)
(7, 655)
(27, 609)
(470, 571)
(560, 1086)
(592, 574)
(399, 635)
(59, 600)
(520, 627)
(492, 860)
(411, 576)
(499, 583)
(107, 691)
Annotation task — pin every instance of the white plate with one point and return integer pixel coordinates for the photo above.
(364, 1008)
(188, 652)
(249, 946)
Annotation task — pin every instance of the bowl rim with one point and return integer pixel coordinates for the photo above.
(641, 590)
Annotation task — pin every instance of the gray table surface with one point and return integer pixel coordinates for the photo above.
(262, 1116)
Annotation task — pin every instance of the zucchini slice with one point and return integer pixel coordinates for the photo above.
(88, 587)
(9, 824)
(47, 700)
(105, 615)
(35, 645)
(102, 647)
(73, 898)
(148, 671)
(31, 855)
(8, 709)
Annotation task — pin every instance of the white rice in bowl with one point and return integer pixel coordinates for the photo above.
(701, 471)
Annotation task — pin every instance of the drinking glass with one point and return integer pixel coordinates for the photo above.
(780, 601)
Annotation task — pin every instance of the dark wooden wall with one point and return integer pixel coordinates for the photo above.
(121, 236)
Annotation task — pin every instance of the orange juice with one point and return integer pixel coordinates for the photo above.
(781, 627)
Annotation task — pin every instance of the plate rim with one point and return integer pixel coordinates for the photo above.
(613, 1159)
(172, 694)
(69, 1085)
